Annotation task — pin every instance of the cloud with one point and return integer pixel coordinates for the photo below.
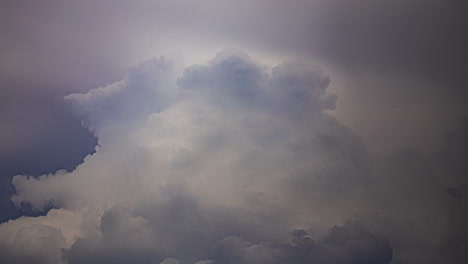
(219, 163)
(144, 90)
(231, 137)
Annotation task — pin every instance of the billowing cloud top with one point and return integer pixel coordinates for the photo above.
(227, 162)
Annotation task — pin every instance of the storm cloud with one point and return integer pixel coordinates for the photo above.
(231, 140)
(231, 161)
(334, 135)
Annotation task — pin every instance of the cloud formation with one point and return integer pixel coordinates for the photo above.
(230, 161)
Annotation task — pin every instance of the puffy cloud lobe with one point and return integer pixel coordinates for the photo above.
(298, 84)
(231, 72)
(41, 239)
(34, 244)
(145, 89)
(296, 87)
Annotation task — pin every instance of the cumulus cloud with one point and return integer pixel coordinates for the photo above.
(219, 163)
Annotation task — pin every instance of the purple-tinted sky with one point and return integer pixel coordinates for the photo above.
(326, 131)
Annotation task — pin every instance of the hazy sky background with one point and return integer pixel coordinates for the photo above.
(399, 70)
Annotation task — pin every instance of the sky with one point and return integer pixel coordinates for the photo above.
(247, 132)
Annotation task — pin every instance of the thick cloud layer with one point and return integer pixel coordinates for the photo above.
(234, 162)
